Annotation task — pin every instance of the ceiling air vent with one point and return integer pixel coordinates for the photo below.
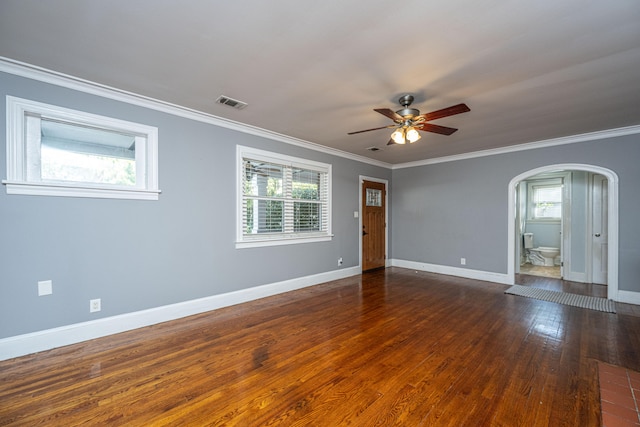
(225, 100)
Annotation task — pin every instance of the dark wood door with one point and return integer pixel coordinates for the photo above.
(374, 223)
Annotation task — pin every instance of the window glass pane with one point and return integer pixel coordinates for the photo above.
(547, 201)
(548, 194)
(264, 216)
(306, 216)
(306, 184)
(263, 179)
(374, 197)
(77, 153)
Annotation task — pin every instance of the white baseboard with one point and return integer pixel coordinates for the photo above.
(21, 345)
(453, 271)
(629, 297)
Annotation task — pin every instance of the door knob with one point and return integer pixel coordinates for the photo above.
(597, 234)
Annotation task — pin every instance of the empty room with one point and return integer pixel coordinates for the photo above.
(319, 214)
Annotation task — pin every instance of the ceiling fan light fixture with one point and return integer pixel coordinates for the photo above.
(412, 135)
(398, 136)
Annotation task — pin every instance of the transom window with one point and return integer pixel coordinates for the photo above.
(282, 199)
(55, 151)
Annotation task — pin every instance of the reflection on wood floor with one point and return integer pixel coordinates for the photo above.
(390, 347)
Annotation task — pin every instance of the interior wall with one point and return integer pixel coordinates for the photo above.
(136, 255)
(446, 211)
(544, 234)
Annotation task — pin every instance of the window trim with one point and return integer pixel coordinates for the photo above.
(277, 239)
(17, 181)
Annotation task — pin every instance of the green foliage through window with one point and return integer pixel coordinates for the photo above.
(282, 199)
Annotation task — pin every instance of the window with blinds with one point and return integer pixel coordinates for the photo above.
(282, 199)
(545, 200)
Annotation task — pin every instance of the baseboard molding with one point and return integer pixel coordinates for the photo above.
(34, 342)
(629, 297)
(453, 271)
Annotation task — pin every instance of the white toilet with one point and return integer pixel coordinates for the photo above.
(542, 255)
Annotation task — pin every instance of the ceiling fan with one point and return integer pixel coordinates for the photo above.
(409, 120)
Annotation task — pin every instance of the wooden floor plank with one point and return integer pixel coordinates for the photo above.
(391, 347)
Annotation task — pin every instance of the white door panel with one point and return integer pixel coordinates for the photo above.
(599, 237)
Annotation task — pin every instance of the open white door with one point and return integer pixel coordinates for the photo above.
(599, 232)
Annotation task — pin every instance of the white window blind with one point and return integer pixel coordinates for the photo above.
(547, 201)
(283, 199)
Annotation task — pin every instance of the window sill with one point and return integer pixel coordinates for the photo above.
(281, 241)
(69, 190)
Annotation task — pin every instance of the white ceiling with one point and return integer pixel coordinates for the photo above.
(529, 71)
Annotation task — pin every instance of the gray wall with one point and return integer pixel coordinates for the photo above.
(136, 255)
(446, 211)
(544, 234)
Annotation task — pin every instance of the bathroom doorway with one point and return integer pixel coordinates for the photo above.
(543, 203)
(585, 232)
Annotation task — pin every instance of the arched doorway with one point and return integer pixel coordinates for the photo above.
(612, 221)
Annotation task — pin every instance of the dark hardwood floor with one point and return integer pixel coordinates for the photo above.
(391, 347)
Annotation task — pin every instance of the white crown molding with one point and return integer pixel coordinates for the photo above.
(584, 137)
(44, 75)
(21, 345)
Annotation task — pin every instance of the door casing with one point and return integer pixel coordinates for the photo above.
(612, 220)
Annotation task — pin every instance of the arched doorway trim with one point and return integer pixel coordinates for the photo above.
(612, 254)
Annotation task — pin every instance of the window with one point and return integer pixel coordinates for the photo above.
(55, 151)
(282, 199)
(545, 200)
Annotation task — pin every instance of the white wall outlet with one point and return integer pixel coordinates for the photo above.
(45, 287)
(95, 305)
(340, 261)
(463, 261)
(355, 214)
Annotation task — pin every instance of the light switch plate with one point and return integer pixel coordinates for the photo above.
(45, 287)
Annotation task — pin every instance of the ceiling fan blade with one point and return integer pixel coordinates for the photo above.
(367, 130)
(442, 130)
(445, 112)
(389, 113)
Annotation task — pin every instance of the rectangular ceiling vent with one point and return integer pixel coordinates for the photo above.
(225, 100)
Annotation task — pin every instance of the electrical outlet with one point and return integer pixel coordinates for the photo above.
(340, 261)
(94, 305)
(463, 261)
